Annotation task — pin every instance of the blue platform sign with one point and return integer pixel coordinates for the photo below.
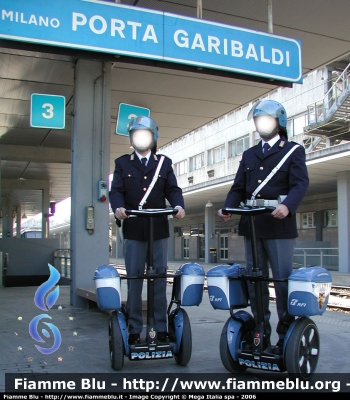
(126, 113)
(47, 111)
(138, 32)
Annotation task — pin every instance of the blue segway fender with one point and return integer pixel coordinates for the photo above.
(233, 337)
(286, 338)
(234, 331)
(123, 330)
(178, 325)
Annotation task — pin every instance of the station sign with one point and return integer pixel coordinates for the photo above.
(47, 111)
(126, 113)
(109, 27)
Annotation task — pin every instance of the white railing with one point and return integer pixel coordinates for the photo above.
(321, 256)
(317, 111)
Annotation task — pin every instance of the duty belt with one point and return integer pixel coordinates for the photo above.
(261, 203)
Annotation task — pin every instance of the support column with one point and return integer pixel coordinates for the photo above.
(327, 79)
(343, 182)
(319, 225)
(7, 220)
(18, 221)
(90, 164)
(269, 16)
(209, 230)
(45, 199)
(199, 9)
(1, 207)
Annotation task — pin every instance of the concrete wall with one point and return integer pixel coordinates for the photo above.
(331, 235)
(29, 256)
(178, 247)
(235, 248)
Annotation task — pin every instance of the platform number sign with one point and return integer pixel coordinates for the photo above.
(126, 113)
(47, 111)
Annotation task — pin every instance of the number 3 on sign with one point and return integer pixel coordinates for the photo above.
(48, 112)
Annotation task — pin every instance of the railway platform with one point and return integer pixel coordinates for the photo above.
(84, 339)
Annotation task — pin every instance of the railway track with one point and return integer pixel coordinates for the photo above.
(339, 299)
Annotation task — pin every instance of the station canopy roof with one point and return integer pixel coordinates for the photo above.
(181, 98)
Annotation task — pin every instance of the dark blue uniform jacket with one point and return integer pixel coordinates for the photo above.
(129, 185)
(291, 180)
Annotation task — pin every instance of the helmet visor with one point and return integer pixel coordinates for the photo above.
(265, 107)
(142, 123)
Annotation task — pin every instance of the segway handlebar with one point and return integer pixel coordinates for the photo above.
(152, 212)
(247, 210)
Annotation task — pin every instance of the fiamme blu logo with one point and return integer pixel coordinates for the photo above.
(44, 299)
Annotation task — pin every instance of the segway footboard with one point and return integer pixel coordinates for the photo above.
(145, 351)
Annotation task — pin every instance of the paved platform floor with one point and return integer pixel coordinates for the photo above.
(84, 332)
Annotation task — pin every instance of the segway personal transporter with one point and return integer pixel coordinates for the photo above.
(243, 342)
(187, 291)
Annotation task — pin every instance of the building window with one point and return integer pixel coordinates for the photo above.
(290, 130)
(237, 147)
(186, 247)
(216, 155)
(224, 247)
(308, 220)
(197, 162)
(180, 168)
(331, 218)
(298, 124)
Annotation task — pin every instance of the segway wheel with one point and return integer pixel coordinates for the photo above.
(303, 349)
(183, 356)
(116, 344)
(229, 363)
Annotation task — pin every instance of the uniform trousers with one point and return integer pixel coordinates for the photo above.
(278, 253)
(135, 254)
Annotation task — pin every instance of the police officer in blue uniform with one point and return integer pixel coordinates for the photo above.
(276, 233)
(132, 176)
